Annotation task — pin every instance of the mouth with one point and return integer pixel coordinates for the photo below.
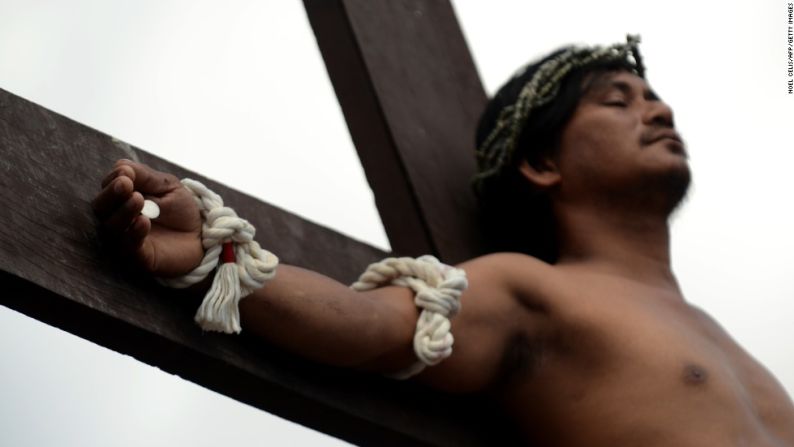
(671, 140)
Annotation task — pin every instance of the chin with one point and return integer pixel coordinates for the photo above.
(662, 187)
(675, 185)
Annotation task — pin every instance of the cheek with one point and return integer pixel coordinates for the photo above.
(589, 144)
(603, 137)
(596, 149)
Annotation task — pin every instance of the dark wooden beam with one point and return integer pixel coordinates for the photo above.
(53, 268)
(411, 96)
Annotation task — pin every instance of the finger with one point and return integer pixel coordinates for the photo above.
(112, 197)
(137, 232)
(123, 217)
(136, 243)
(148, 180)
(118, 170)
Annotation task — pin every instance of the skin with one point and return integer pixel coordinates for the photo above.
(599, 349)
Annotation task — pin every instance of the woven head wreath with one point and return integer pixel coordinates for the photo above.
(499, 148)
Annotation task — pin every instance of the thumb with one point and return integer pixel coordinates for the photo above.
(150, 181)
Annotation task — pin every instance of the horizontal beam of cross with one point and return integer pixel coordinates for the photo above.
(53, 268)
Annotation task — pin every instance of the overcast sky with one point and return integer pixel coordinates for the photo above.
(238, 92)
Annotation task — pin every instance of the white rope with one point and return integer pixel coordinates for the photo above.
(438, 288)
(233, 281)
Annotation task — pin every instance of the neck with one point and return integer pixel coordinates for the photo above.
(631, 245)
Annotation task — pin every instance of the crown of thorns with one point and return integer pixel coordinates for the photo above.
(500, 145)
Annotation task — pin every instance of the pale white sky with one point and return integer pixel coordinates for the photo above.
(239, 93)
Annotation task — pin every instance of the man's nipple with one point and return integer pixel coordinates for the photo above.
(694, 374)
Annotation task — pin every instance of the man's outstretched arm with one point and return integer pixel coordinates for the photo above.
(326, 321)
(302, 311)
(305, 312)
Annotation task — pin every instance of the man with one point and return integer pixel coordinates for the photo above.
(592, 343)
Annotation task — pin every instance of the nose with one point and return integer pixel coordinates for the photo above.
(658, 113)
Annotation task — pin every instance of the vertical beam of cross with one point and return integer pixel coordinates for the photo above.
(411, 96)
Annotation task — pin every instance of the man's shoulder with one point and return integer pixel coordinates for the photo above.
(510, 268)
(506, 260)
(515, 274)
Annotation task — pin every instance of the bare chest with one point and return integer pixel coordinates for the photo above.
(647, 364)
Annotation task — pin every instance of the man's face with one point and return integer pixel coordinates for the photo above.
(621, 141)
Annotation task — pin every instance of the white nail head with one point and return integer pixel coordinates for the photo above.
(150, 209)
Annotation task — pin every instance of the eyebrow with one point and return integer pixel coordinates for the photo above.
(624, 87)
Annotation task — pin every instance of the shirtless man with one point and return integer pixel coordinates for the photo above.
(597, 347)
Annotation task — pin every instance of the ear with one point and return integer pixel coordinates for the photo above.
(544, 175)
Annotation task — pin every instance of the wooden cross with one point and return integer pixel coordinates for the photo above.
(411, 97)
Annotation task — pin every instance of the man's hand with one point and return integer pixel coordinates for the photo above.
(168, 246)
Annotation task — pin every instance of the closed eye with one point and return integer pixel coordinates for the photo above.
(616, 103)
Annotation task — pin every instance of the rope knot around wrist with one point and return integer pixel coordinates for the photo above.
(228, 240)
(438, 289)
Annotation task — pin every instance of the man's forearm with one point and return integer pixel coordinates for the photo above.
(326, 321)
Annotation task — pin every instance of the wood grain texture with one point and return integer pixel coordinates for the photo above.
(53, 268)
(411, 96)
